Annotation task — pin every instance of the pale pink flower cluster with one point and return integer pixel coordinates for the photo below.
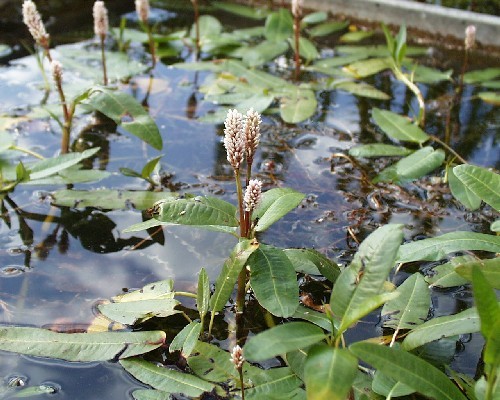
(252, 133)
(101, 24)
(234, 138)
(253, 195)
(33, 21)
(142, 9)
(470, 37)
(237, 357)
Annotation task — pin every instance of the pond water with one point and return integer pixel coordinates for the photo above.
(58, 263)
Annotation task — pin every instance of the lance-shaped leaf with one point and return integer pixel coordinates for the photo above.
(297, 104)
(127, 112)
(464, 322)
(328, 28)
(366, 275)
(414, 166)
(274, 383)
(264, 52)
(153, 300)
(165, 379)
(101, 346)
(486, 302)
(230, 271)
(437, 248)
(398, 127)
(329, 373)
(361, 89)
(213, 364)
(275, 204)
(462, 193)
(445, 276)
(378, 150)
(203, 293)
(274, 281)
(282, 339)
(310, 261)
(489, 268)
(198, 211)
(408, 369)
(150, 394)
(316, 317)
(384, 385)
(279, 25)
(483, 183)
(186, 339)
(51, 166)
(411, 307)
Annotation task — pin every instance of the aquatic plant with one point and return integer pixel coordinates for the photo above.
(143, 9)
(101, 24)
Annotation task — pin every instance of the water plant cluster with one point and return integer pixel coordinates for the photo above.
(306, 342)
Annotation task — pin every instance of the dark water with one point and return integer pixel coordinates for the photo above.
(57, 263)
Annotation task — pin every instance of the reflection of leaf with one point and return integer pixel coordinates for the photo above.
(107, 199)
(79, 346)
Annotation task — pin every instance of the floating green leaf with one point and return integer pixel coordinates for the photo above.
(437, 248)
(131, 312)
(483, 183)
(186, 339)
(297, 105)
(279, 25)
(230, 271)
(265, 51)
(274, 281)
(482, 75)
(82, 347)
(398, 127)
(408, 369)
(150, 394)
(127, 112)
(362, 89)
(410, 308)
(364, 68)
(282, 339)
(378, 150)
(108, 199)
(445, 276)
(52, 166)
(328, 28)
(275, 204)
(357, 36)
(489, 268)
(490, 97)
(242, 10)
(165, 379)
(314, 18)
(329, 373)
(311, 261)
(197, 211)
(464, 322)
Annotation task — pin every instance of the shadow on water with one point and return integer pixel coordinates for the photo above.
(57, 263)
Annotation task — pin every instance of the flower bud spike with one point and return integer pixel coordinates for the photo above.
(470, 37)
(252, 134)
(297, 8)
(101, 24)
(237, 357)
(253, 194)
(142, 8)
(234, 138)
(33, 21)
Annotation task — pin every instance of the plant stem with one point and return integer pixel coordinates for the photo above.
(27, 151)
(240, 371)
(103, 60)
(239, 192)
(416, 91)
(296, 29)
(185, 294)
(197, 25)
(458, 156)
(152, 47)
